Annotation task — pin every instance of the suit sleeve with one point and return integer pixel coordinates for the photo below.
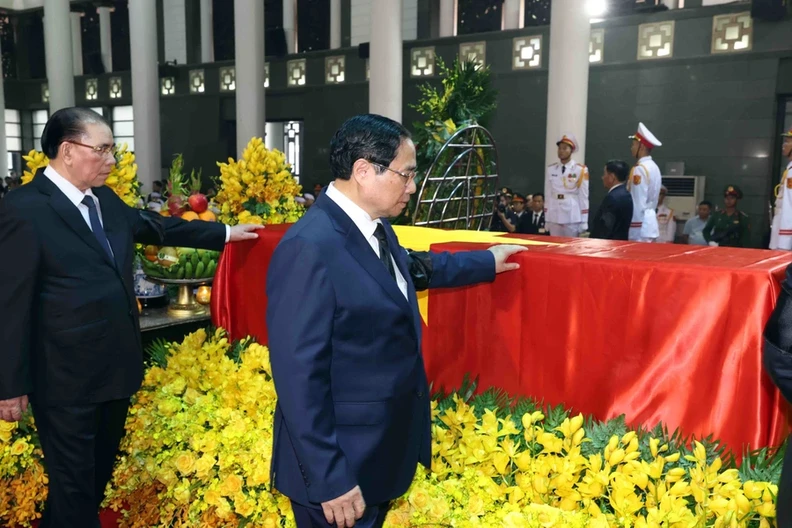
(451, 270)
(607, 222)
(17, 301)
(778, 340)
(300, 313)
(152, 228)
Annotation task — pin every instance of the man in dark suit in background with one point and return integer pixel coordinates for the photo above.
(778, 364)
(353, 418)
(612, 221)
(70, 340)
(533, 222)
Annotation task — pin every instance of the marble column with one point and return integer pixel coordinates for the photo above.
(58, 52)
(448, 18)
(250, 73)
(145, 91)
(76, 34)
(568, 71)
(385, 83)
(105, 39)
(207, 32)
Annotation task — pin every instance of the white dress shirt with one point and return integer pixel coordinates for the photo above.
(367, 226)
(76, 197)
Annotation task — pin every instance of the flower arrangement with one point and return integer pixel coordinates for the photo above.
(122, 179)
(258, 188)
(23, 483)
(199, 439)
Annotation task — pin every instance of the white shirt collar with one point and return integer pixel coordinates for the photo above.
(361, 218)
(617, 185)
(74, 194)
(645, 158)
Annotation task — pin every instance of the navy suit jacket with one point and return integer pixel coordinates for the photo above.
(345, 346)
(778, 364)
(612, 220)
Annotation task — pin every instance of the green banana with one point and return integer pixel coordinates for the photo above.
(206, 259)
(199, 271)
(210, 269)
(195, 259)
(180, 274)
(188, 271)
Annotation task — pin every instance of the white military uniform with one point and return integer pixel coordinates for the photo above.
(781, 231)
(567, 195)
(644, 185)
(666, 224)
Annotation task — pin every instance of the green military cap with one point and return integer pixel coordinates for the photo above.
(733, 190)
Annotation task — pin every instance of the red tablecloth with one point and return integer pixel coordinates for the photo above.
(657, 332)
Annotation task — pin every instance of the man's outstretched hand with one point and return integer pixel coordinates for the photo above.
(244, 232)
(502, 253)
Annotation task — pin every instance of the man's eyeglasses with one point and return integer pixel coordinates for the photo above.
(406, 176)
(105, 149)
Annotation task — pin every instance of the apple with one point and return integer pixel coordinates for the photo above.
(198, 203)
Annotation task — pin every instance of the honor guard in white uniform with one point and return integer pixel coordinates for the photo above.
(644, 185)
(781, 231)
(666, 223)
(566, 192)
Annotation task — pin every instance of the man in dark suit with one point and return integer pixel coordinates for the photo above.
(533, 222)
(70, 337)
(353, 416)
(612, 221)
(778, 364)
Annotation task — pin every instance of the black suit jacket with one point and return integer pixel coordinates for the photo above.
(70, 332)
(527, 227)
(612, 221)
(778, 364)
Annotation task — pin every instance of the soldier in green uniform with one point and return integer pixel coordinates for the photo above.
(728, 227)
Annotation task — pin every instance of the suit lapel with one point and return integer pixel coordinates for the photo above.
(360, 249)
(114, 229)
(401, 261)
(69, 214)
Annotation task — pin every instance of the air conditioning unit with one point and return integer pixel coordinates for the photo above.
(684, 195)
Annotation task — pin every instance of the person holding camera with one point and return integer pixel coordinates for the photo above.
(502, 215)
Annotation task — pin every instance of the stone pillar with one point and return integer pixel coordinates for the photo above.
(174, 15)
(207, 32)
(514, 14)
(290, 25)
(3, 140)
(250, 74)
(385, 84)
(567, 88)
(76, 34)
(335, 24)
(58, 51)
(145, 90)
(448, 18)
(105, 40)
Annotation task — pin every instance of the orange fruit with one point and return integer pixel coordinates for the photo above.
(189, 216)
(208, 216)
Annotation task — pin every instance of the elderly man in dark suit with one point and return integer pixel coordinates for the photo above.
(70, 336)
(353, 417)
(612, 221)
